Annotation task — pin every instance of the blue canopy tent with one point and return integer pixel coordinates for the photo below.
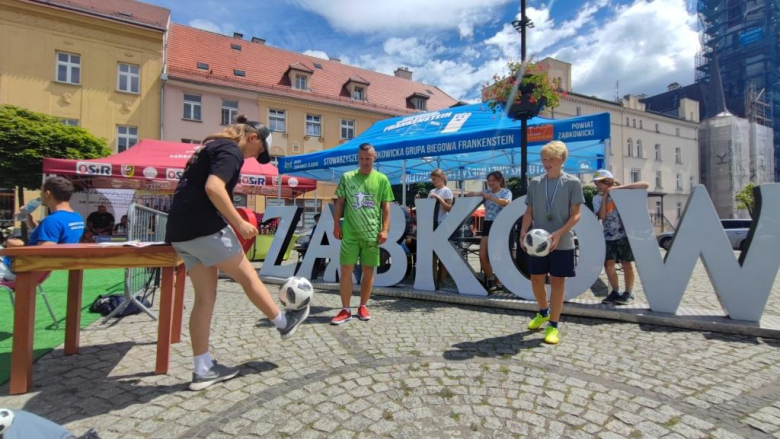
(466, 142)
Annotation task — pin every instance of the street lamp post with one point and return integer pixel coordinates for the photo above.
(521, 26)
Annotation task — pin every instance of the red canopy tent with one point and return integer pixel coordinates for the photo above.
(156, 165)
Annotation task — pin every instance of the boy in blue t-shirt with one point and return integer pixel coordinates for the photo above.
(62, 226)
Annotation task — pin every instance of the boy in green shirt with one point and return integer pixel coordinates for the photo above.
(363, 197)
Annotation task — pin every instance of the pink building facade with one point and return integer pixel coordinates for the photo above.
(192, 112)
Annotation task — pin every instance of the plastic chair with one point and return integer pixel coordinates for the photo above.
(11, 287)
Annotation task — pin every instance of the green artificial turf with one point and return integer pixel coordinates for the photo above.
(96, 282)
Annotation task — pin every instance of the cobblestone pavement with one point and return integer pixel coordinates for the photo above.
(417, 370)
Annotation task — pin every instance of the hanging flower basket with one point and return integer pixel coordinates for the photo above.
(535, 92)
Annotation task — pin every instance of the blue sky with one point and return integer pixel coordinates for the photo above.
(459, 44)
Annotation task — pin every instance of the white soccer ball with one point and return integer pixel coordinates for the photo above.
(6, 419)
(295, 293)
(538, 243)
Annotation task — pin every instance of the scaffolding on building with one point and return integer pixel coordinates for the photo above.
(743, 35)
(757, 108)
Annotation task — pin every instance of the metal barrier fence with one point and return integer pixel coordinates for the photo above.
(144, 225)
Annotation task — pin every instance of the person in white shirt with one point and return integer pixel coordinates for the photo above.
(443, 196)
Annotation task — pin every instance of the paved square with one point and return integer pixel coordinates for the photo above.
(418, 369)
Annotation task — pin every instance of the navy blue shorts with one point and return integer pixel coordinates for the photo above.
(559, 263)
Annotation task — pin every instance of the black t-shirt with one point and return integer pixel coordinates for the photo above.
(192, 214)
(101, 220)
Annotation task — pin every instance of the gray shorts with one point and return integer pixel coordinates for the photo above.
(209, 250)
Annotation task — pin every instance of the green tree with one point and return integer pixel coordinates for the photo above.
(590, 192)
(513, 184)
(26, 137)
(412, 190)
(745, 200)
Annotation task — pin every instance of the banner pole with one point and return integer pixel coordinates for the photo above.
(403, 182)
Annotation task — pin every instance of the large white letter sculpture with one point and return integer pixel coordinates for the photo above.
(591, 250)
(431, 241)
(272, 266)
(742, 287)
(318, 250)
(399, 264)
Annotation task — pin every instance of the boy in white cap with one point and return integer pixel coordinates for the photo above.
(618, 248)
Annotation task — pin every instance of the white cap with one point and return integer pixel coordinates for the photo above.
(602, 174)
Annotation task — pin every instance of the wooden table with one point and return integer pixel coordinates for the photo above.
(28, 262)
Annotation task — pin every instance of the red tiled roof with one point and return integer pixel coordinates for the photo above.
(300, 67)
(128, 11)
(266, 69)
(359, 79)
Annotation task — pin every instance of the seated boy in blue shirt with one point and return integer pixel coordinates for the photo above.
(62, 226)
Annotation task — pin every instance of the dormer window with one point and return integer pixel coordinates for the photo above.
(301, 82)
(418, 101)
(356, 87)
(299, 76)
(358, 94)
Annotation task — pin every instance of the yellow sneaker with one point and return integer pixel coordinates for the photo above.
(538, 321)
(551, 335)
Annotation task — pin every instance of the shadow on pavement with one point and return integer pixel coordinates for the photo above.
(83, 383)
(493, 347)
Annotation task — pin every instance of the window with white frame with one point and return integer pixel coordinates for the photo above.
(579, 111)
(192, 107)
(677, 132)
(277, 120)
(129, 79)
(71, 122)
(68, 68)
(313, 125)
(693, 182)
(229, 112)
(358, 94)
(126, 137)
(627, 122)
(659, 179)
(679, 209)
(678, 155)
(301, 82)
(630, 148)
(635, 176)
(658, 151)
(634, 123)
(347, 129)
(657, 128)
(640, 124)
(420, 103)
(679, 182)
(639, 152)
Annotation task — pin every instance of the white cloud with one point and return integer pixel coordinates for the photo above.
(645, 45)
(545, 33)
(199, 23)
(316, 54)
(403, 16)
(411, 50)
